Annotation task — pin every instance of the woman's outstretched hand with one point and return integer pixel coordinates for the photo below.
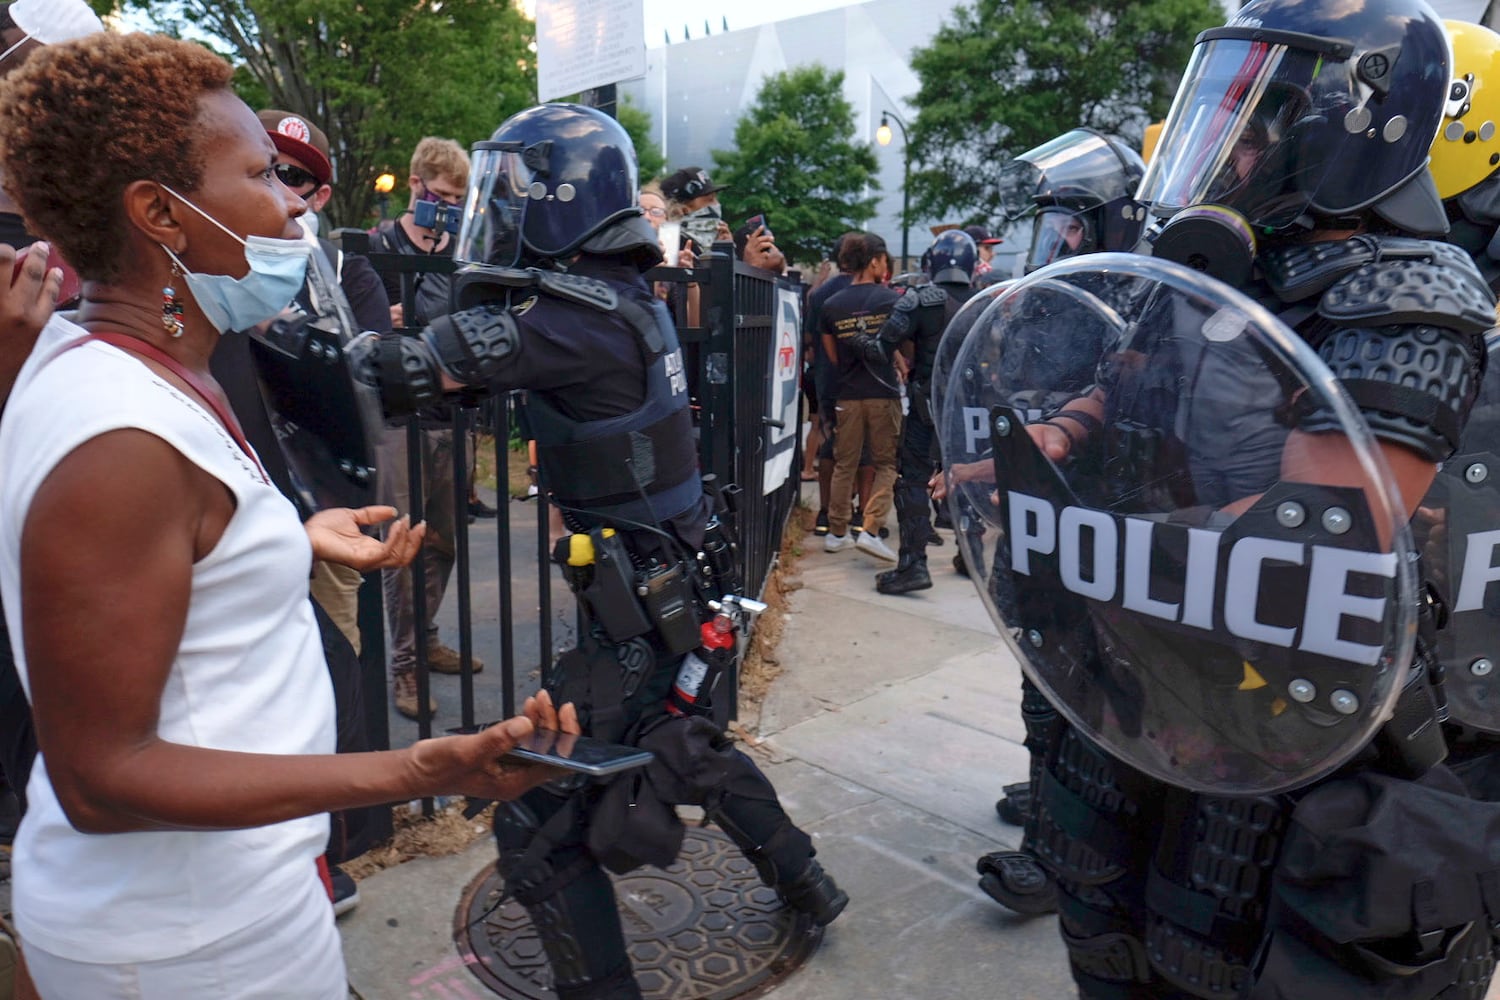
(336, 537)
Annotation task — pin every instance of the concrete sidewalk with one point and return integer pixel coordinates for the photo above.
(888, 736)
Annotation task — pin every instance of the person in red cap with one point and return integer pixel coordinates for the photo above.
(985, 244)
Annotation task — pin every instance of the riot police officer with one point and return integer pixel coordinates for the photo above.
(919, 318)
(550, 298)
(1291, 164)
(1079, 188)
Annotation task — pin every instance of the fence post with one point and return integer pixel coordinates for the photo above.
(716, 427)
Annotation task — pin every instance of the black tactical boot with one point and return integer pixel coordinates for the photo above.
(1015, 804)
(905, 578)
(1016, 880)
(815, 893)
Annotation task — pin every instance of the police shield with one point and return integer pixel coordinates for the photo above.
(1221, 600)
(953, 338)
(1457, 530)
(325, 422)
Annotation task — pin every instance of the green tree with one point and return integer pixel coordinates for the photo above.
(1002, 76)
(376, 75)
(796, 160)
(637, 122)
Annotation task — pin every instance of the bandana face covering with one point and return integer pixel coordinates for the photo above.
(277, 270)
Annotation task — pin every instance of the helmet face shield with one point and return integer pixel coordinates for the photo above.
(1235, 133)
(1080, 168)
(1060, 232)
(495, 208)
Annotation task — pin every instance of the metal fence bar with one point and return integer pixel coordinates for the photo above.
(461, 566)
(502, 555)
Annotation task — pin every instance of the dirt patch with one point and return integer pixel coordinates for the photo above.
(447, 832)
(762, 665)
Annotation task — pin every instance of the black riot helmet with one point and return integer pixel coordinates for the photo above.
(1081, 186)
(554, 180)
(1304, 109)
(951, 258)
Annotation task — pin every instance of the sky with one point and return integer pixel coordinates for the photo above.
(671, 15)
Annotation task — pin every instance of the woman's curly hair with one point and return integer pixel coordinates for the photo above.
(82, 120)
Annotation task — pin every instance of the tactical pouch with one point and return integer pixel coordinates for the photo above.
(610, 593)
(1386, 888)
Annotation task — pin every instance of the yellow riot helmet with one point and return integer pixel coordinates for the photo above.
(1467, 147)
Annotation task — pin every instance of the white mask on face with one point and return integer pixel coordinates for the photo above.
(277, 269)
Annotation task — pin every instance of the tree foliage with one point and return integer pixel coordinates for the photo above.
(637, 123)
(376, 75)
(1002, 76)
(796, 160)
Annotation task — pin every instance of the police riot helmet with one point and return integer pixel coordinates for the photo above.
(951, 257)
(1081, 187)
(1297, 110)
(1465, 162)
(554, 180)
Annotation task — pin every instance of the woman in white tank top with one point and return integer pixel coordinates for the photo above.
(154, 582)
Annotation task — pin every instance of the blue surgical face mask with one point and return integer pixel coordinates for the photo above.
(277, 270)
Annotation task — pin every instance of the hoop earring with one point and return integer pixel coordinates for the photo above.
(171, 309)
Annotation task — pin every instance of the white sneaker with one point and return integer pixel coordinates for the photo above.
(837, 543)
(871, 543)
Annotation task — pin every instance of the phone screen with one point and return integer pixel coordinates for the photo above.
(579, 753)
(671, 241)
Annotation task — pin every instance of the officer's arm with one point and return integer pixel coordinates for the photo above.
(473, 349)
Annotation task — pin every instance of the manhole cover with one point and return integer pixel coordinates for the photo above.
(705, 928)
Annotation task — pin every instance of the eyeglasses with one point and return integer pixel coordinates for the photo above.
(655, 213)
(294, 176)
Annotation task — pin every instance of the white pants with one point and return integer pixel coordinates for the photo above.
(293, 954)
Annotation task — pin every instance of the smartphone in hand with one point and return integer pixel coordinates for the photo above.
(579, 753)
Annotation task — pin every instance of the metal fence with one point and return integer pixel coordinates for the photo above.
(740, 329)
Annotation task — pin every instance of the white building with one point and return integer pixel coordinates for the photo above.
(696, 90)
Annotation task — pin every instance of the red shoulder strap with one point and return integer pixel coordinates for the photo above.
(136, 346)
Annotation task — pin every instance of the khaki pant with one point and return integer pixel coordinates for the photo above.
(336, 589)
(437, 549)
(878, 422)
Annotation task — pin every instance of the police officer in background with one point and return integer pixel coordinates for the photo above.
(550, 297)
(1293, 166)
(918, 319)
(1080, 190)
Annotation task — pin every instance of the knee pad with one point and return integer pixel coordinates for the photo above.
(1101, 932)
(1208, 889)
(1093, 814)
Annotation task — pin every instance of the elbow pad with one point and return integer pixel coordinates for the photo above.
(402, 369)
(472, 345)
(868, 347)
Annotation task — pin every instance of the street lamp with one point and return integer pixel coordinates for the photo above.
(883, 136)
(384, 185)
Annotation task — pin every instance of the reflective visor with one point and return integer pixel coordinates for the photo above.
(1079, 168)
(495, 207)
(1236, 132)
(1057, 233)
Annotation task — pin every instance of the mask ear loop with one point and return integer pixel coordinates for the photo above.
(7, 52)
(223, 228)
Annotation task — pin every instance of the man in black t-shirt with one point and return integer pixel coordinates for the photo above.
(866, 398)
